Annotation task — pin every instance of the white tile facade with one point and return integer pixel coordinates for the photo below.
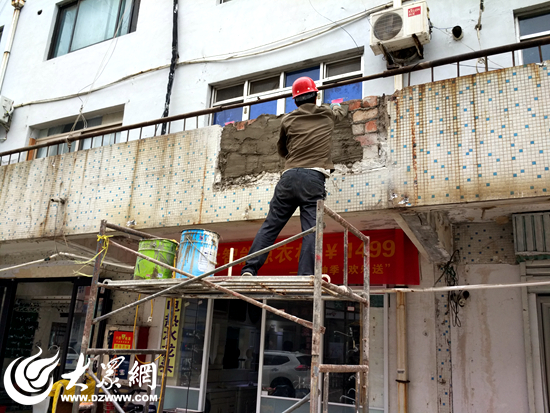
(480, 137)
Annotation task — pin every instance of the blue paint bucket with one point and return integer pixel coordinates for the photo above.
(197, 251)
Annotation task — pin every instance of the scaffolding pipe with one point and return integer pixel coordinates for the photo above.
(132, 231)
(346, 224)
(326, 378)
(107, 392)
(206, 274)
(300, 403)
(343, 368)
(92, 301)
(363, 378)
(317, 309)
(227, 291)
(345, 292)
(402, 369)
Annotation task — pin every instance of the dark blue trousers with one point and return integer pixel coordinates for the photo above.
(297, 188)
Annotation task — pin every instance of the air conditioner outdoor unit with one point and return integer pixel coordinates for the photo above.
(400, 28)
(6, 110)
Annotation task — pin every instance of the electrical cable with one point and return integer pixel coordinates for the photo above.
(173, 63)
(451, 279)
(217, 58)
(325, 28)
(332, 21)
(443, 30)
(100, 70)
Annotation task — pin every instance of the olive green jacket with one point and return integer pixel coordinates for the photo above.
(305, 139)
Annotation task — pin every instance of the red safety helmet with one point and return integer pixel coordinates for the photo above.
(303, 85)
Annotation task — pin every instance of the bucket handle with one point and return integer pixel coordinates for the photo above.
(200, 252)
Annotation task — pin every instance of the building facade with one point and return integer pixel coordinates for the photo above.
(447, 169)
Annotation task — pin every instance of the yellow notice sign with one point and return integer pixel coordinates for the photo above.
(176, 319)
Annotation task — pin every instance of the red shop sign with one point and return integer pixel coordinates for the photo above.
(393, 258)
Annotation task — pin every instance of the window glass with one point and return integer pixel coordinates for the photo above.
(97, 141)
(287, 357)
(259, 89)
(340, 68)
(233, 357)
(343, 93)
(264, 85)
(533, 25)
(96, 22)
(228, 116)
(182, 384)
(125, 19)
(266, 108)
(101, 140)
(312, 72)
(86, 22)
(67, 18)
(229, 93)
(532, 55)
(54, 150)
(342, 345)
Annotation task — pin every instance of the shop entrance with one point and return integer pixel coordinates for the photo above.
(46, 313)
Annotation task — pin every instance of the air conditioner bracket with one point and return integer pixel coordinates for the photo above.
(390, 63)
(419, 46)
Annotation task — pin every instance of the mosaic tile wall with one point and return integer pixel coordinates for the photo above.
(485, 243)
(473, 138)
(481, 137)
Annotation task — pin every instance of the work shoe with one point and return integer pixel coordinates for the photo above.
(247, 274)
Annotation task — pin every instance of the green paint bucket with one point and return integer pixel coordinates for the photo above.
(163, 250)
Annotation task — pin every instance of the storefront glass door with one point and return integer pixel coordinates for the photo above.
(286, 364)
(232, 383)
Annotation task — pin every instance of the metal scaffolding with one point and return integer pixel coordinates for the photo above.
(252, 290)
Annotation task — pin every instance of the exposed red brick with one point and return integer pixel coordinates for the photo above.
(354, 104)
(363, 115)
(370, 101)
(371, 126)
(240, 125)
(366, 140)
(358, 129)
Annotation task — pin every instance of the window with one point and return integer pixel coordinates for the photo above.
(261, 88)
(532, 27)
(286, 368)
(56, 132)
(83, 23)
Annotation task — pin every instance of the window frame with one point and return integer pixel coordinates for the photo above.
(539, 11)
(78, 144)
(134, 11)
(248, 97)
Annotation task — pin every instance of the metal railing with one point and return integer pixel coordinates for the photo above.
(153, 127)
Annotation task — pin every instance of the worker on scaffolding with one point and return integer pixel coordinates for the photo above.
(305, 141)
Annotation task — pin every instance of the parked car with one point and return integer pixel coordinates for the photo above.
(286, 374)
